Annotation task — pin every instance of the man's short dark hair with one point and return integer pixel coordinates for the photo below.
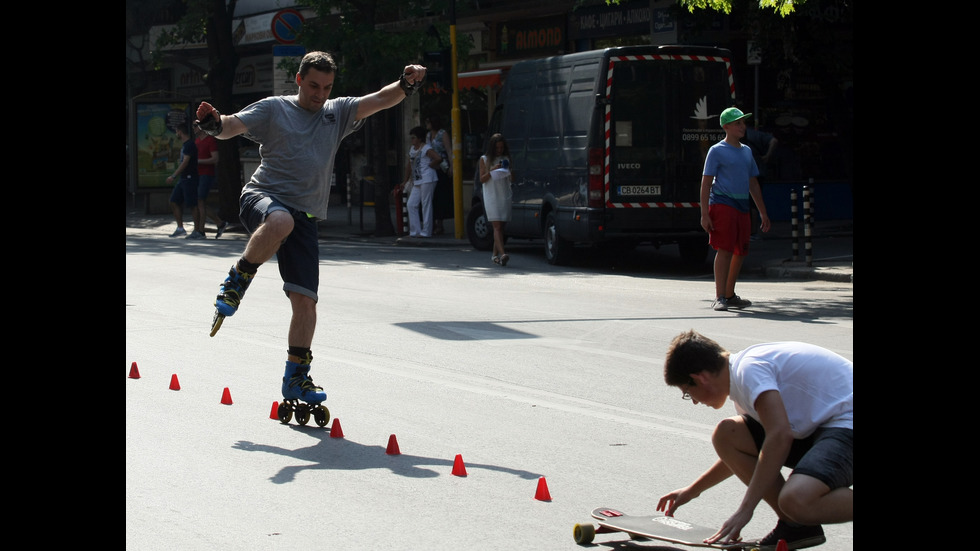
(321, 61)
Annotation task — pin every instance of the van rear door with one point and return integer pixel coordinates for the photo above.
(662, 117)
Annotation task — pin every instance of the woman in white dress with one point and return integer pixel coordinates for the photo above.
(495, 177)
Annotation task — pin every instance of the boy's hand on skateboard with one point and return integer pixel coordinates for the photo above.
(731, 530)
(672, 501)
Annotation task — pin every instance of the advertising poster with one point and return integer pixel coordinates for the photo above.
(157, 145)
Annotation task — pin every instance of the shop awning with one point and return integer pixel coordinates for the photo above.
(475, 79)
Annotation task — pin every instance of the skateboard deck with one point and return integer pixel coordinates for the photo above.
(656, 526)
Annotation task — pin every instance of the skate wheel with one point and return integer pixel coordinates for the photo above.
(284, 413)
(302, 414)
(584, 533)
(321, 415)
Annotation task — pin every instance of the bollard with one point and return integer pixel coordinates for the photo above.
(807, 221)
(401, 199)
(795, 224)
(350, 204)
(404, 214)
(813, 202)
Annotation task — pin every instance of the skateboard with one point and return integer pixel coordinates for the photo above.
(657, 526)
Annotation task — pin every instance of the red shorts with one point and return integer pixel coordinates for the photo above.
(732, 229)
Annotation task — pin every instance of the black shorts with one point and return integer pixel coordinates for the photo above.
(827, 454)
(299, 254)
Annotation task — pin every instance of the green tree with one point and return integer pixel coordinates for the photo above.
(372, 41)
(782, 7)
(211, 20)
(794, 37)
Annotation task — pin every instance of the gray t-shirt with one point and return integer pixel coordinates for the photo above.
(297, 148)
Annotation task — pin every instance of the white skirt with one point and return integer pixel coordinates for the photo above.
(497, 199)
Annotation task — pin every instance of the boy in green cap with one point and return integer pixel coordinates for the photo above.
(728, 181)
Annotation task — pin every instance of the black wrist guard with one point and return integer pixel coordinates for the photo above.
(211, 124)
(409, 89)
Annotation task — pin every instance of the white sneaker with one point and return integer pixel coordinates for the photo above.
(178, 232)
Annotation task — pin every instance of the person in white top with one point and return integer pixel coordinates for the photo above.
(795, 405)
(421, 179)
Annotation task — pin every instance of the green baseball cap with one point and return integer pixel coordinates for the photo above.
(732, 114)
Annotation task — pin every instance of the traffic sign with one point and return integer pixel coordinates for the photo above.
(286, 25)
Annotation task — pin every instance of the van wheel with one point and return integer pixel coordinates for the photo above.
(694, 251)
(556, 249)
(478, 229)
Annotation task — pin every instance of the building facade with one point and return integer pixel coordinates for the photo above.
(501, 33)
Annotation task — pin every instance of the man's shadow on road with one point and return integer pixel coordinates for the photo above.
(344, 454)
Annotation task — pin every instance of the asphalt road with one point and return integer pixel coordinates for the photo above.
(528, 373)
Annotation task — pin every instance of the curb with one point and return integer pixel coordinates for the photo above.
(822, 273)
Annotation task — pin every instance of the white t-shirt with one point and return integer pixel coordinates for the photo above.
(422, 171)
(815, 384)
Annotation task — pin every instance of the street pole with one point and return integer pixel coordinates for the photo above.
(457, 137)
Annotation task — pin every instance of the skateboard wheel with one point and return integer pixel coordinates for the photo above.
(321, 415)
(284, 413)
(302, 414)
(583, 533)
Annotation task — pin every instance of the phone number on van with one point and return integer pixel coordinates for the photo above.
(700, 136)
(639, 190)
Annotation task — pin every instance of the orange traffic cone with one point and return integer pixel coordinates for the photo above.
(134, 373)
(174, 384)
(226, 397)
(459, 469)
(542, 494)
(392, 446)
(337, 432)
(782, 546)
(275, 411)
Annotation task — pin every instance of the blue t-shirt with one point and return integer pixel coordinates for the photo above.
(731, 167)
(189, 151)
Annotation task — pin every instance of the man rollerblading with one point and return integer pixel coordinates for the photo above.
(298, 136)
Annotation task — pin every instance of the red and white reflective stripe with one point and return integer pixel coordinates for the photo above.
(608, 120)
(681, 205)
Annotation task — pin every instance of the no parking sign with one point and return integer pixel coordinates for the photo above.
(286, 25)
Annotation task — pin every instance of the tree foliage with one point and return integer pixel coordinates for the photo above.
(372, 41)
(368, 57)
(194, 22)
(782, 7)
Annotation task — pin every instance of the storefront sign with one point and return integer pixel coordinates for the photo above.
(532, 38)
(625, 19)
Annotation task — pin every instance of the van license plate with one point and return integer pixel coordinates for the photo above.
(639, 190)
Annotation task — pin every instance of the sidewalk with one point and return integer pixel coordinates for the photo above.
(831, 258)
(832, 245)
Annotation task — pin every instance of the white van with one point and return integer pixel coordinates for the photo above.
(607, 147)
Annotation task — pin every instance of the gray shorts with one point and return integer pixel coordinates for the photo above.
(299, 254)
(827, 454)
